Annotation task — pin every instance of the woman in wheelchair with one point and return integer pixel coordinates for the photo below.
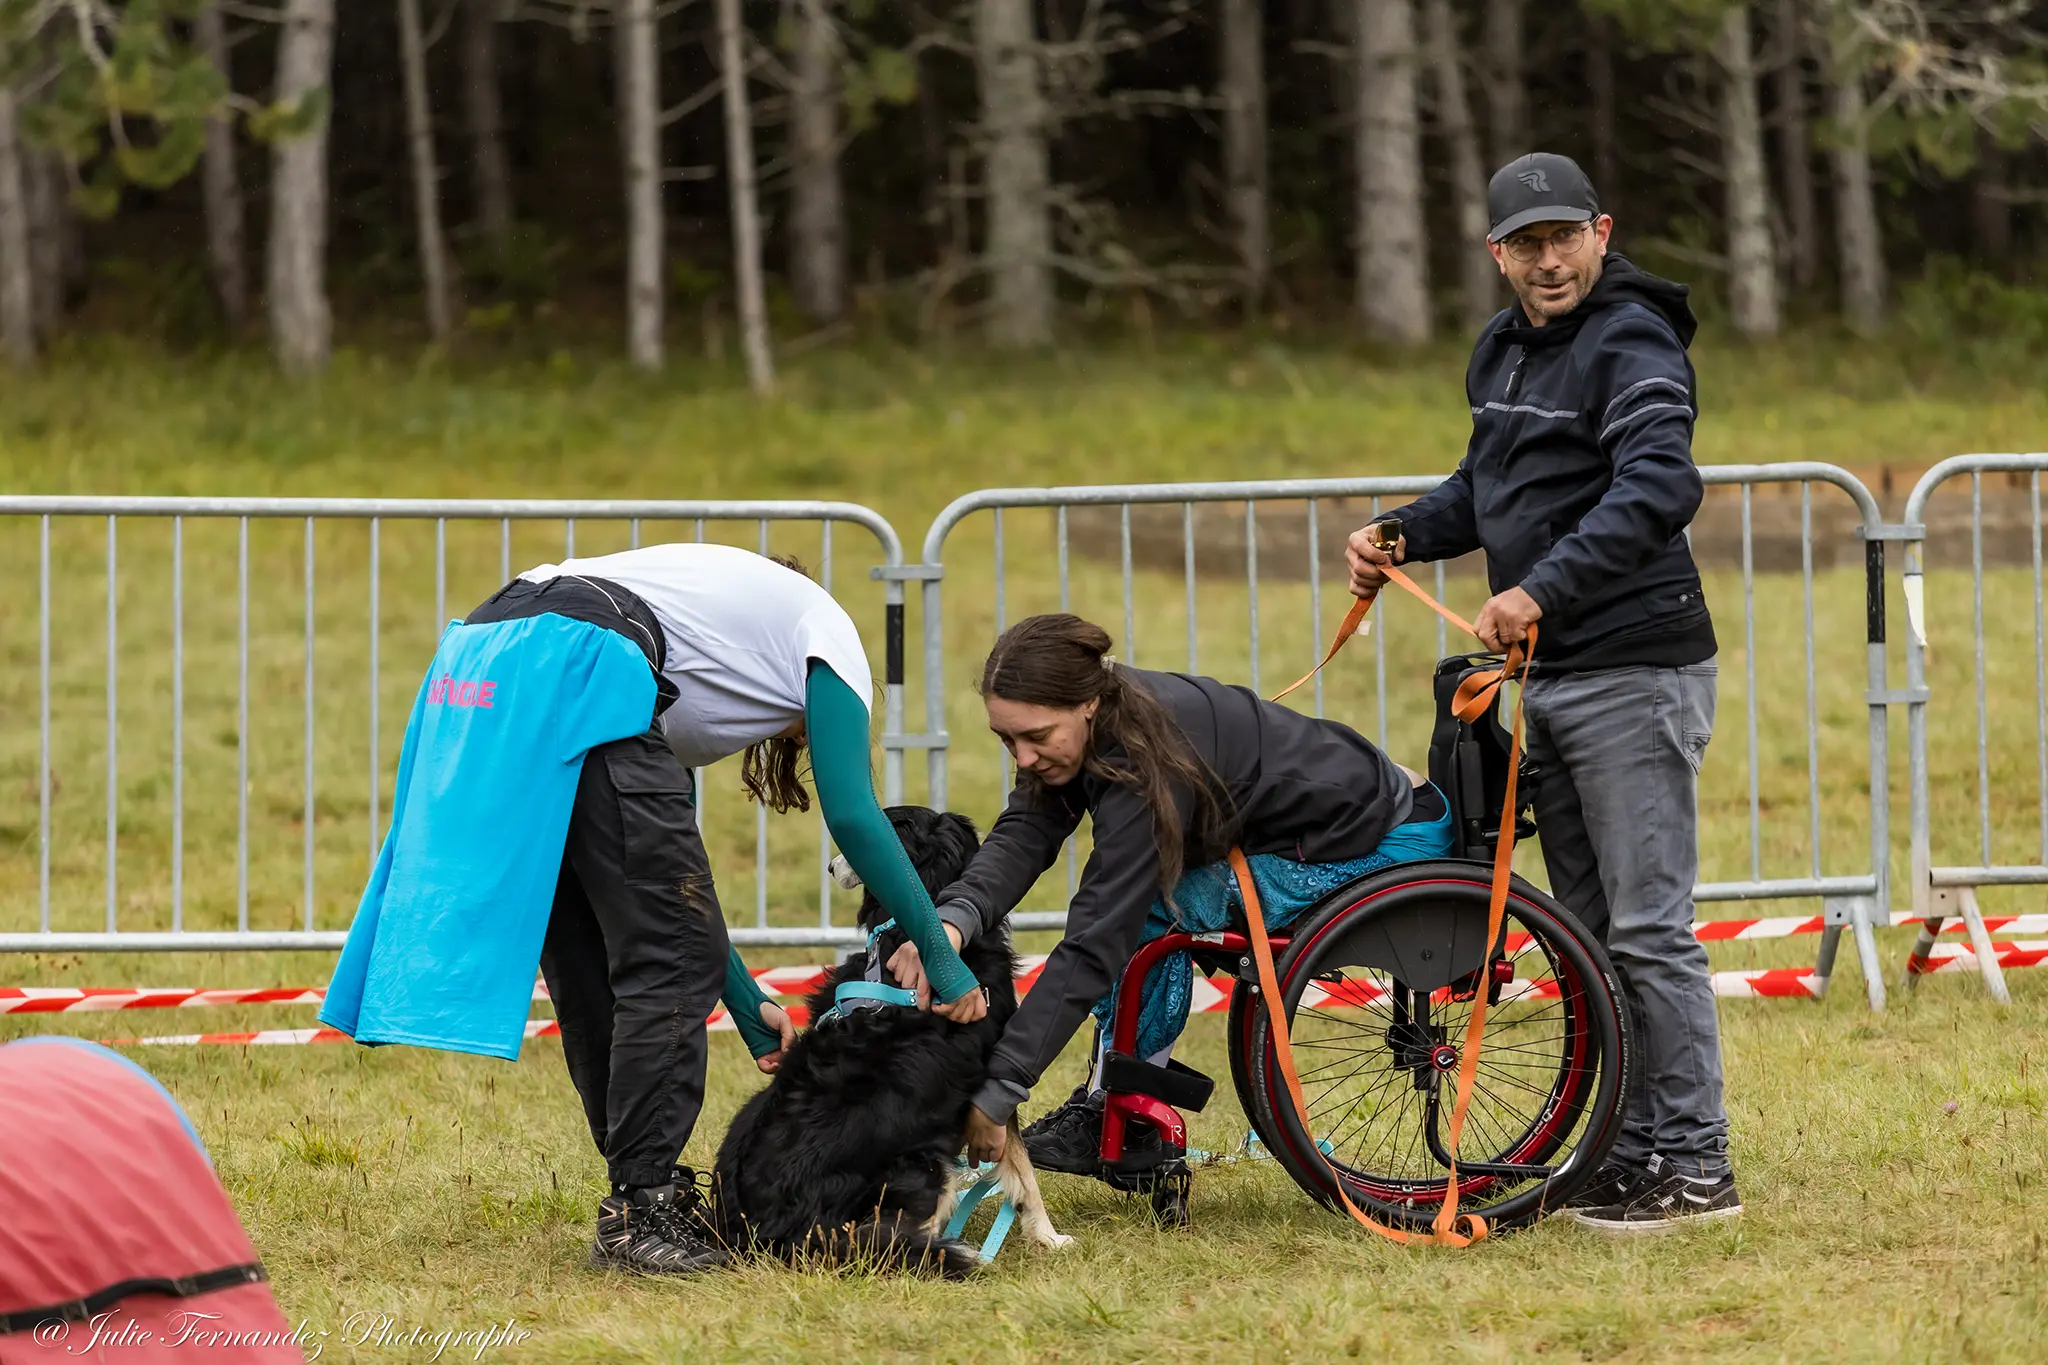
(1174, 771)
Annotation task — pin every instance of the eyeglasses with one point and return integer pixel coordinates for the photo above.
(1526, 248)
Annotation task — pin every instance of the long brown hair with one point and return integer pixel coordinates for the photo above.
(1061, 660)
(772, 770)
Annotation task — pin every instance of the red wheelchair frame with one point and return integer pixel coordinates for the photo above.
(1124, 1107)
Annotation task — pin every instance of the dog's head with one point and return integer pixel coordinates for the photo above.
(940, 845)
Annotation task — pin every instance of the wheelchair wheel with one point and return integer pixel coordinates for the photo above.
(1378, 984)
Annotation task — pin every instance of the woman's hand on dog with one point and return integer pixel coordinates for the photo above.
(907, 967)
(970, 1008)
(775, 1017)
(985, 1137)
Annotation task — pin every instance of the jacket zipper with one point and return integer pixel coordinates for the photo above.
(1515, 375)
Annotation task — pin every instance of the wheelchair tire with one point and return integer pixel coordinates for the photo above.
(1239, 1039)
(1378, 1059)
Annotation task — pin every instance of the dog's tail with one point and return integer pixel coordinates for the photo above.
(894, 1243)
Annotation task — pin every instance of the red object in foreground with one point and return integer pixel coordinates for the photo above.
(104, 1184)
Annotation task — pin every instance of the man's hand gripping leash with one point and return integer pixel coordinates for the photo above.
(1475, 695)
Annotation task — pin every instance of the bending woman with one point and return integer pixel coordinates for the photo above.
(1173, 771)
(545, 810)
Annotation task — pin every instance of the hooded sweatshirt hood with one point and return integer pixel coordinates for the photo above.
(1621, 281)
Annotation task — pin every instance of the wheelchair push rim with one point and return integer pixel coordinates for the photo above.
(1378, 1060)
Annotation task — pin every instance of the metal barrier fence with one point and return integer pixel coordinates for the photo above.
(1134, 527)
(1949, 890)
(1855, 899)
(152, 600)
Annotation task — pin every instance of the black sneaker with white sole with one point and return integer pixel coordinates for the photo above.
(656, 1231)
(1615, 1182)
(1069, 1140)
(1666, 1202)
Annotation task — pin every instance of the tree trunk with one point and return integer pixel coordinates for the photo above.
(301, 327)
(1246, 171)
(71, 261)
(17, 289)
(1341, 20)
(746, 220)
(817, 222)
(1795, 148)
(1991, 205)
(490, 172)
(1018, 174)
(426, 175)
(1478, 276)
(1606, 119)
(1752, 279)
(1393, 259)
(1858, 242)
(1507, 91)
(640, 118)
(44, 189)
(221, 183)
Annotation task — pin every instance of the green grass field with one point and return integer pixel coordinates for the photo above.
(1892, 1166)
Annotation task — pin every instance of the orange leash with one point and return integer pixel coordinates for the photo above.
(1355, 618)
(1473, 697)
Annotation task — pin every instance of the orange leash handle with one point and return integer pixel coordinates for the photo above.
(1473, 697)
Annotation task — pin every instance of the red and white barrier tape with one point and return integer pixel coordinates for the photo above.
(1959, 957)
(1785, 926)
(1209, 997)
(93, 999)
(74, 1000)
(801, 980)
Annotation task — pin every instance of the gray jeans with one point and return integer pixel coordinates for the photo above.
(1618, 754)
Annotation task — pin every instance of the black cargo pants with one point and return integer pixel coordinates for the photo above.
(635, 951)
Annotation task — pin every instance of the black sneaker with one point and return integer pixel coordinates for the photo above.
(1666, 1202)
(1613, 1183)
(655, 1231)
(1069, 1140)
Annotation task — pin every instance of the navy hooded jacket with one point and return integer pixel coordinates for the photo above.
(1579, 481)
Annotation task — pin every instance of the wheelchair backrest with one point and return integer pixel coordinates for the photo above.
(1468, 761)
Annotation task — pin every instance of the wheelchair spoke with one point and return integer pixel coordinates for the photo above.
(1377, 1108)
(1367, 1108)
(1343, 1100)
(1502, 1079)
(1364, 1076)
(1504, 1138)
(1479, 1119)
(1347, 1025)
(1330, 1083)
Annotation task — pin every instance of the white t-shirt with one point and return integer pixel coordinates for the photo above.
(741, 631)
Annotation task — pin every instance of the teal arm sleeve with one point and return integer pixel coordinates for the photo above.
(743, 1001)
(837, 721)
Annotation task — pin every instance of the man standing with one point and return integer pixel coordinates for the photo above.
(1579, 483)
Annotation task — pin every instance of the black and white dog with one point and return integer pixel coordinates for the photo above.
(849, 1152)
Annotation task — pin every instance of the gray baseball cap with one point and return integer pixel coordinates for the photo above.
(1542, 187)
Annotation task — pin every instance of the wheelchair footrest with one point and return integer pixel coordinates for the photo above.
(1176, 1083)
(1148, 1180)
